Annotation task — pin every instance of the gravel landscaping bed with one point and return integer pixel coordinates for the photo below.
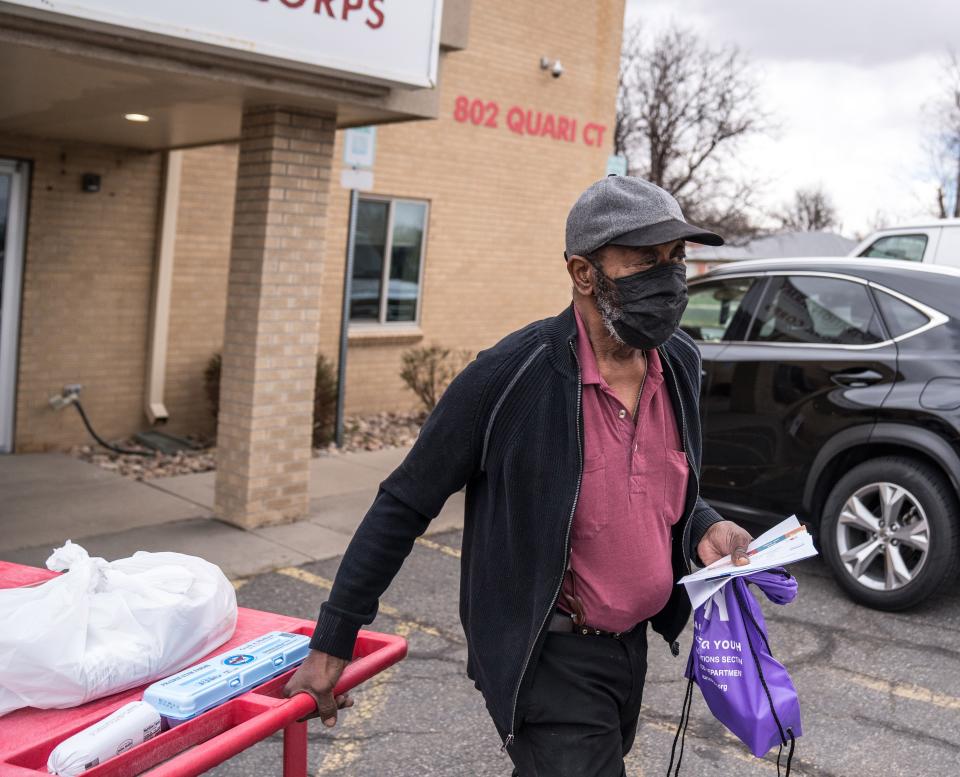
(153, 465)
(376, 432)
(368, 433)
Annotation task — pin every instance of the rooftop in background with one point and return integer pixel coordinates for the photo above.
(783, 244)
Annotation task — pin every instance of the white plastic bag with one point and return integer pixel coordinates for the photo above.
(130, 725)
(104, 627)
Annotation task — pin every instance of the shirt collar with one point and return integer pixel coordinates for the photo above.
(589, 371)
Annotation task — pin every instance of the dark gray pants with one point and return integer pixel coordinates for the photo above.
(578, 716)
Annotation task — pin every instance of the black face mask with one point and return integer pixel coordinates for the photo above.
(651, 304)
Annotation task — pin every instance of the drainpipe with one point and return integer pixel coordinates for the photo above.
(162, 286)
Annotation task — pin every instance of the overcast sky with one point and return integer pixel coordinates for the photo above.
(847, 81)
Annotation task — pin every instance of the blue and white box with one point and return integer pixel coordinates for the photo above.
(201, 687)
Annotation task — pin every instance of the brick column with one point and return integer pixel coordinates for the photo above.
(272, 320)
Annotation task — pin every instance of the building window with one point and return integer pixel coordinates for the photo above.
(388, 244)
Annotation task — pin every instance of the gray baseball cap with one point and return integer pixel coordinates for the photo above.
(622, 210)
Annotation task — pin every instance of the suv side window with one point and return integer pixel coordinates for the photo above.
(713, 307)
(899, 317)
(907, 247)
(822, 311)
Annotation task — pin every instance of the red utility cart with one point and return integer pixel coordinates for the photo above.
(28, 735)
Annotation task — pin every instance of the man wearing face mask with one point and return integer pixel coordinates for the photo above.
(577, 438)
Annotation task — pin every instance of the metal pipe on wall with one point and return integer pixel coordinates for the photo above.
(157, 335)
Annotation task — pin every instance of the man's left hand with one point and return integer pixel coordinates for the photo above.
(725, 538)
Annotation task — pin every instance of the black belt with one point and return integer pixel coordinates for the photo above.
(561, 621)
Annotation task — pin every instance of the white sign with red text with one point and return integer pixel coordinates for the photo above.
(396, 41)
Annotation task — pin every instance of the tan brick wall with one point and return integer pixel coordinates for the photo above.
(498, 200)
(495, 238)
(199, 296)
(86, 287)
(271, 331)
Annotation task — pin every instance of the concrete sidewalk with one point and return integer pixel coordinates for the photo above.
(48, 498)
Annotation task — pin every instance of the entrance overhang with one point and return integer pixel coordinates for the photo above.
(77, 80)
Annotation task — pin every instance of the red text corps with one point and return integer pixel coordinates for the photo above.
(527, 121)
(368, 11)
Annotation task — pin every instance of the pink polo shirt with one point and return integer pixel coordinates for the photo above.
(632, 492)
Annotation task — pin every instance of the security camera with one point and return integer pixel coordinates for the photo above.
(555, 68)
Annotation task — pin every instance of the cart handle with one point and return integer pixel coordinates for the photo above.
(226, 745)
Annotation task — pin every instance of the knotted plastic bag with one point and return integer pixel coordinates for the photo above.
(103, 627)
(745, 687)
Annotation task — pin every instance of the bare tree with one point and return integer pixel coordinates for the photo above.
(682, 110)
(811, 209)
(946, 140)
(879, 220)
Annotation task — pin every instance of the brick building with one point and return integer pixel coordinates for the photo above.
(136, 250)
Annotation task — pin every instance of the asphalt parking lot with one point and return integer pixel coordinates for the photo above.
(880, 692)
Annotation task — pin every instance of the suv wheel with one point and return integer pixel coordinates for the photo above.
(889, 532)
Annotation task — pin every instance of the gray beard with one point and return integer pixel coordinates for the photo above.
(608, 304)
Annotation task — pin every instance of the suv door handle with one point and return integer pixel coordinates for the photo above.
(857, 378)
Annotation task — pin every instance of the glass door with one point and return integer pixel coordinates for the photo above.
(13, 211)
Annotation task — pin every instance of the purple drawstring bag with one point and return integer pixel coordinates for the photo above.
(730, 661)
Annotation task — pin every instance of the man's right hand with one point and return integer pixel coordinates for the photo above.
(318, 676)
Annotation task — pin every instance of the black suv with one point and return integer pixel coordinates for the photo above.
(831, 389)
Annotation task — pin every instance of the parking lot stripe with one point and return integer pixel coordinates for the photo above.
(321, 582)
(344, 752)
(306, 577)
(902, 690)
(437, 546)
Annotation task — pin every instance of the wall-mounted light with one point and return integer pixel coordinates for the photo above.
(140, 117)
(555, 68)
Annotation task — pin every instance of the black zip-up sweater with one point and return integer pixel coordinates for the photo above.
(509, 428)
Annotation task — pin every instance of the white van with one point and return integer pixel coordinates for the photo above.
(932, 242)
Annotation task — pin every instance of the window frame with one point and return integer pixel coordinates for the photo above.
(935, 317)
(381, 324)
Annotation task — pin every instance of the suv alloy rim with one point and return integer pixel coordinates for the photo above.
(883, 536)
